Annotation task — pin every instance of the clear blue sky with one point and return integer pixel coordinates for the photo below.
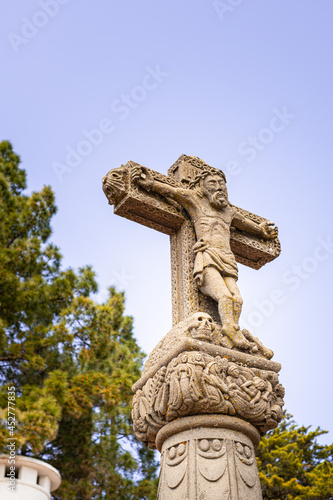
(246, 86)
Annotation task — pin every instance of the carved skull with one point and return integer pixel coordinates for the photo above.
(200, 326)
(114, 184)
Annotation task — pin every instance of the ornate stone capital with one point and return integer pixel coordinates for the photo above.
(185, 376)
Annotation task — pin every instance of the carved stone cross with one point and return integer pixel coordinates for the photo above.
(208, 389)
(167, 216)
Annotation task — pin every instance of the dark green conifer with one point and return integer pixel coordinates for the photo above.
(293, 465)
(72, 361)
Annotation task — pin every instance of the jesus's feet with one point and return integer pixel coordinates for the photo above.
(236, 336)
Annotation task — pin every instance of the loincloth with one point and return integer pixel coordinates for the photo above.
(223, 260)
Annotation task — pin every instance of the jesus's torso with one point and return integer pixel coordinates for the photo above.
(212, 225)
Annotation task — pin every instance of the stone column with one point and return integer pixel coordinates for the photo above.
(25, 478)
(208, 457)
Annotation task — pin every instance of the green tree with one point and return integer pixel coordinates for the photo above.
(293, 465)
(72, 361)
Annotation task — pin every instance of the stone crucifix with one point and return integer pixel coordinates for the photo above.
(208, 390)
(208, 235)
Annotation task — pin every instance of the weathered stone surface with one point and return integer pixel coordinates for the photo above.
(209, 389)
(210, 462)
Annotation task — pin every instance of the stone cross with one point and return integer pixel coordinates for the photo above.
(208, 390)
(166, 215)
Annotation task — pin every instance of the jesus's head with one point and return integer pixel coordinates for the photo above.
(212, 184)
(214, 188)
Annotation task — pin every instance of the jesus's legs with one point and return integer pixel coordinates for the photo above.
(236, 299)
(215, 287)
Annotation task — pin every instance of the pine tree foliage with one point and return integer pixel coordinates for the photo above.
(293, 465)
(72, 361)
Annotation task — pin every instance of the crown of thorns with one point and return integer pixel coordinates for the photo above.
(204, 174)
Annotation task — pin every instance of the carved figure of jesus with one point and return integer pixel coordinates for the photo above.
(215, 267)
